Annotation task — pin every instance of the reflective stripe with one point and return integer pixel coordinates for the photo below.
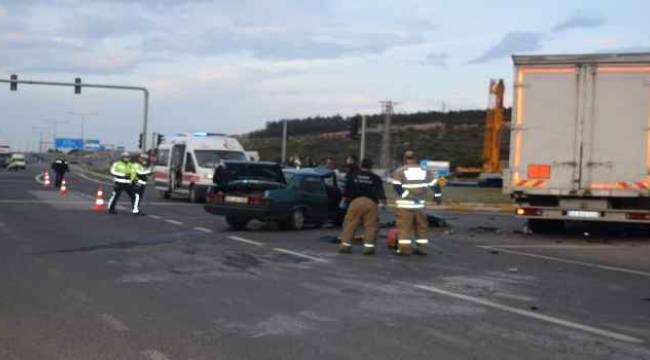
(434, 182)
(415, 186)
(415, 173)
(369, 245)
(117, 173)
(437, 195)
(141, 182)
(422, 241)
(393, 181)
(405, 194)
(404, 241)
(413, 206)
(345, 244)
(122, 181)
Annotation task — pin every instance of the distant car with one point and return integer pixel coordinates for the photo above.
(246, 191)
(16, 162)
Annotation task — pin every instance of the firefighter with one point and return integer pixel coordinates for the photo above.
(411, 183)
(364, 192)
(138, 175)
(121, 171)
(60, 167)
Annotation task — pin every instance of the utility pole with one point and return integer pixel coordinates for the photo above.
(362, 146)
(83, 120)
(388, 107)
(284, 142)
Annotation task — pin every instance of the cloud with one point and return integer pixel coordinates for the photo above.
(578, 22)
(512, 42)
(437, 59)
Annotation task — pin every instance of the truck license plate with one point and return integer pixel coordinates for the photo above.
(583, 214)
(237, 199)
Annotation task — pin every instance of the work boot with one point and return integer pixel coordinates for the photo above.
(421, 250)
(368, 250)
(345, 248)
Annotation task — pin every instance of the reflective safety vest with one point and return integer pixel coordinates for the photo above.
(411, 183)
(139, 174)
(121, 171)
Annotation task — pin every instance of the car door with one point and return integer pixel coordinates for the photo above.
(314, 197)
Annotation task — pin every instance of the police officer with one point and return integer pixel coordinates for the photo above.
(121, 171)
(364, 191)
(138, 176)
(411, 183)
(60, 167)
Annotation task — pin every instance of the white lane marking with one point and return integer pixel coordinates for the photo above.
(567, 261)
(82, 175)
(42, 202)
(552, 246)
(202, 229)
(39, 179)
(534, 315)
(114, 323)
(155, 217)
(285, 251)
(172, 221)
(153, 354)
(247, 241)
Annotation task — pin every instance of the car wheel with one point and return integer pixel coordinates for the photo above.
(297, 219)
(236, 223)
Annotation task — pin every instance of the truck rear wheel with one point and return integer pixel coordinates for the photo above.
(540, 226)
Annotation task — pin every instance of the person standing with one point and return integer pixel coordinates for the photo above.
(411, 183)
(121, 171)
(60, 167)
(138, 175)
(364, 191)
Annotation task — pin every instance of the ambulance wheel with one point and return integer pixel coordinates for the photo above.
(194, 196)
(236, 223)
(297, 219)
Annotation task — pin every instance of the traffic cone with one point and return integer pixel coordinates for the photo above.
(99, 200)
(64, 188)
(46, 179)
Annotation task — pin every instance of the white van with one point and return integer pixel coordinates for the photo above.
(185, 164)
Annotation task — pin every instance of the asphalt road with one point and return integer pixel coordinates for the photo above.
(177, 284)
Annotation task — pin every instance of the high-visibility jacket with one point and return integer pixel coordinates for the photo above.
(411, 183)
(139, 173)
(121, 171)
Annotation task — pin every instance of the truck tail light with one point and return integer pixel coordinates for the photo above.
(529, 212)
(638, 216)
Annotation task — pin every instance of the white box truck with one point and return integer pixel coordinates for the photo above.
(580, 139)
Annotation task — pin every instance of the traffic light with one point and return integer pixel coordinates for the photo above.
(354, 128)
(159, 140)
(77, 87)
(13, 85)
(140, 141)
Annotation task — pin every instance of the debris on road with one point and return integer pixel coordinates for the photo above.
(513, 270)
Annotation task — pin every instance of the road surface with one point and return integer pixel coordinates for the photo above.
(177, 284)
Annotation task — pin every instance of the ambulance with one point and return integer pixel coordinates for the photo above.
(185, 164)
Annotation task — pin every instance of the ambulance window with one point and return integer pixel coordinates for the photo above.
(189, 163)
(162, 158)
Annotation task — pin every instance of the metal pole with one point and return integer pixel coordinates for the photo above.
(362, 147)
(145, 119)
(284, 142)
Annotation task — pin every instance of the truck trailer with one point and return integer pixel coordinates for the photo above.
(580, 139)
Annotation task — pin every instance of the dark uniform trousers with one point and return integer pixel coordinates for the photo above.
(118, 188)
(412, 223)
(362, 209)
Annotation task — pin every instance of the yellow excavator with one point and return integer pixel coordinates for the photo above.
(489, 175)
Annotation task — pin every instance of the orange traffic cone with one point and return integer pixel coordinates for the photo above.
(64, 187)
(46, 179)
(99, 200)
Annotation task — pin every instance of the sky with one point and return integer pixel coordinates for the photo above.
(230, 66)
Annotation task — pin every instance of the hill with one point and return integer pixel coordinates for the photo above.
(456, 136)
